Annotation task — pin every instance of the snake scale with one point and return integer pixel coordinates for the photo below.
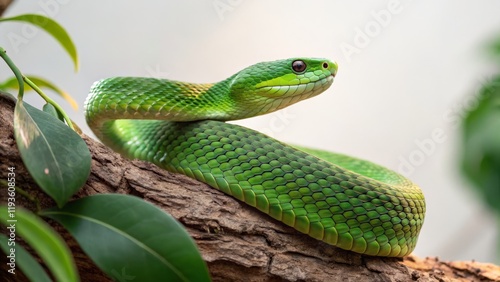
(344, 201)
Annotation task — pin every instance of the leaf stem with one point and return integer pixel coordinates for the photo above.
(50, 101)
(16, 72)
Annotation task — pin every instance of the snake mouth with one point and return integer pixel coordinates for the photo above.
(309, 89)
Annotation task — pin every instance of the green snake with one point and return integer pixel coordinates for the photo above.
(347, 202)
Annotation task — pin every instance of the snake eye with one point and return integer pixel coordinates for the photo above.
(325, 65)
(299, 66)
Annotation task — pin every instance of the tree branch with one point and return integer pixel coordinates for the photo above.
(238, 242)
(4, 4)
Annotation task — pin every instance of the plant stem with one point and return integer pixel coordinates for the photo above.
(50, 101)
(16, 72)
(21, 79)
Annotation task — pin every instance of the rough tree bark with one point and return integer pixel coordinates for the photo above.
(238, 242)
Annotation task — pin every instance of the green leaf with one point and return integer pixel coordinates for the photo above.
(54, 29)
(129, 238)
(495, 47)
(22, 259)
(49, 109)
(12, 83)
(56, 157)
(43, 239)
(481, 144)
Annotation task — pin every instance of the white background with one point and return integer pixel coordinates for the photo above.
(407, 71)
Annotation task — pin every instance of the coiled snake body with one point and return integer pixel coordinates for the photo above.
(346, 202)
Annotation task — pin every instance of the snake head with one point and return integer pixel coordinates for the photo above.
(270, 86)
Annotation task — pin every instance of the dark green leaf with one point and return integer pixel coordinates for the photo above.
(495, 47)
(22, 259)
(56, 157)
(129, 238)
(481, 144)
(49, 109)
(43, 239)
(53, 28)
